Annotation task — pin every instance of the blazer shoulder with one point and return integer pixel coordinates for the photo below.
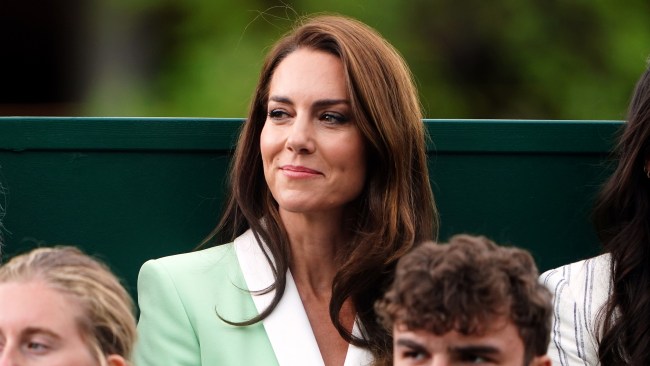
(207, 262)
(183, 300)
(197, 277)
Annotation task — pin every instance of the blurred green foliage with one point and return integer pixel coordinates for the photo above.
(539, 59)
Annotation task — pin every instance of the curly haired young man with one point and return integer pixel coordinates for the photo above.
(467, 302)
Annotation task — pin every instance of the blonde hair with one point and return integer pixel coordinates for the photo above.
(107, 323)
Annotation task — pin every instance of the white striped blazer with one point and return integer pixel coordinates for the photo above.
(579, 291)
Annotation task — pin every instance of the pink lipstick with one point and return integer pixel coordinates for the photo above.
(296, 171)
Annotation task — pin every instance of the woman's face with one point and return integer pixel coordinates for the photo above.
(312, 151)
(38, 327)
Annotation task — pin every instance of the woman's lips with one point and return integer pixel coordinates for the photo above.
(299, 171)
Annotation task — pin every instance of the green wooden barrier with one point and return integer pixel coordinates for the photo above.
(130, 189)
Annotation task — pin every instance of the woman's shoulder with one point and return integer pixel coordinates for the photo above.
(207, 263)
(579, 291)
(585, 279)
(201, 278)
(577, 271)
(203, 256)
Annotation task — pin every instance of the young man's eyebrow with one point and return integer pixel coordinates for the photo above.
(476, 349)
(410, 344)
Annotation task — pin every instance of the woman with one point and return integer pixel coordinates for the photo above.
(61, 307)
(602, 305)
(329, 187)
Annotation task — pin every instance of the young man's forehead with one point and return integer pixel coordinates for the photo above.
(500, 341)
(470, 325)
(498, 329)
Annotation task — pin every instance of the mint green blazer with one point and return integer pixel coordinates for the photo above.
(182, 298)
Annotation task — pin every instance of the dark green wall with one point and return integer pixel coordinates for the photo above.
(130, 189)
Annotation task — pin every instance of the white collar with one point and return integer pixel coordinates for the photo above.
(287, 326)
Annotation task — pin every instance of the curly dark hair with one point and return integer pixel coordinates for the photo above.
(463, 286)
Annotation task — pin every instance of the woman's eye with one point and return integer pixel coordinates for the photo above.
(277, 114)
(36, 347)
(334, 118)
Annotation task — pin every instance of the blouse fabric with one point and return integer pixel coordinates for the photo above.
(184, 300)
(580, 291)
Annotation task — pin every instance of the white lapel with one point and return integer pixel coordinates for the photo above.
(357, 356)
(287, 326)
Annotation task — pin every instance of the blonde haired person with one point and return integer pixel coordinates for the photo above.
(329, 188)
(61, 307)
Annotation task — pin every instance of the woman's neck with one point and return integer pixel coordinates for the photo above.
(314, 240)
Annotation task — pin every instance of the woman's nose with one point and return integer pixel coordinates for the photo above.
(8, 357)
(300, 137)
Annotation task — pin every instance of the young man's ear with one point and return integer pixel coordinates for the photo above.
(540, 361)
(116, 360)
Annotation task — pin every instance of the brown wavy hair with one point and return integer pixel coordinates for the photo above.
(107, 323)
(396, 207)
(622, 220)
(464, 286)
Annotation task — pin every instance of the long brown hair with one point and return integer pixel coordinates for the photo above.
(396, 208)
(622, 220)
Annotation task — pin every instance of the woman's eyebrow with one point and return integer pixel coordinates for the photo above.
(319, 103)
(329, 102)
(39, 330)
(280, 99)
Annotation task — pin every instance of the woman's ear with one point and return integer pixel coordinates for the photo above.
(116, 360)
(541, 361)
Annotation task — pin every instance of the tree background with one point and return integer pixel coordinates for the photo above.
(535, 59)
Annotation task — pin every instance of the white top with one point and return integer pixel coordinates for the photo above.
(579, 291)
